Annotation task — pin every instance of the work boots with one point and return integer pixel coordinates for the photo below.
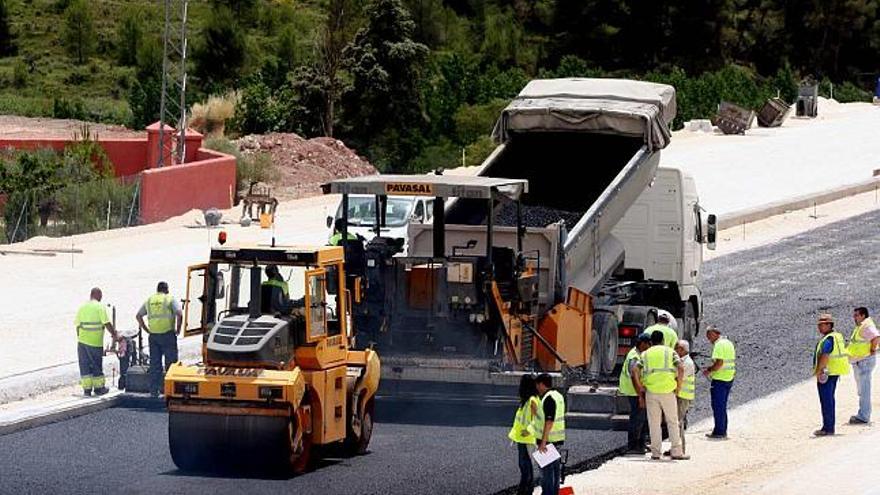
(101, 391)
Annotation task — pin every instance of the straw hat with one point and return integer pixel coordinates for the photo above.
(825, 318)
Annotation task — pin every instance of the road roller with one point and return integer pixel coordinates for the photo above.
(280, 382)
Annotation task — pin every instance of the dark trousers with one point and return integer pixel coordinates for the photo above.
(161, 345)
(720, 391)
(826, 399)
(636, 431)
(91, 370)
(526, 472)
(551, 476)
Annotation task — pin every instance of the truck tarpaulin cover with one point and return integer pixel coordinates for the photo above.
(631, 108)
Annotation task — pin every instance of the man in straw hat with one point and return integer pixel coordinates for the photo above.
(830, 362)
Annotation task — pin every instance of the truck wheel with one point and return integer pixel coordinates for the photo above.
(357, 443)
(689, 323)
(604, 343)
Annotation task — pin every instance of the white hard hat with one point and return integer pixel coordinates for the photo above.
(673, 324)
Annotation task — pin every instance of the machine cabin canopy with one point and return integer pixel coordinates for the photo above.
(440, 187)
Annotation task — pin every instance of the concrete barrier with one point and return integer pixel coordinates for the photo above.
(757, 213)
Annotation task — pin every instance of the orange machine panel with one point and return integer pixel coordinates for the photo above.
(568, 328)
(421, 283)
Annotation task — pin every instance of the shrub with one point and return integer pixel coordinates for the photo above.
(210, 117)
(249, 169)
(20, 74)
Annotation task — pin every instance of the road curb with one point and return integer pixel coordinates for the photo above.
(53, 413)
(749, 215)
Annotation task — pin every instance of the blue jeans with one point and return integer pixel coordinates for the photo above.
(826, 399)
(526, 473)
(636, 431)
(551, 477)
(863, 371)
(720, 391)
(161, 345)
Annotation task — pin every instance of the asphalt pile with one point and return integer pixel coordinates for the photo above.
(536, 216)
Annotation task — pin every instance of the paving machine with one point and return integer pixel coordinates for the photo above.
(462, 318)
(279, 381)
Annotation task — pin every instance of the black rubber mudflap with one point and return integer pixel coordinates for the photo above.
(215, 443)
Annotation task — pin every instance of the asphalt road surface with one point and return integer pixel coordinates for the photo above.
(765, 299)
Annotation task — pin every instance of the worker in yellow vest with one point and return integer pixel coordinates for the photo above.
(631, 387)
(830, 362)
(164, 321)
(90, 322)
(721, 373)
(521, 435)
(862, 350)
(549, 428)
(670, 336)
(688, 389)
(661, 376)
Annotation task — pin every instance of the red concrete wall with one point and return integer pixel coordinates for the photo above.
(128, 156)
(171, 191)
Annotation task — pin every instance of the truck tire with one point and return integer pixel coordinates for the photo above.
(605, 325)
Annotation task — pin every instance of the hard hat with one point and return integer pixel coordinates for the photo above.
(825, 318)
(673, 324)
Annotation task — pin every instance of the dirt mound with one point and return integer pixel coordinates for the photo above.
(305, 164)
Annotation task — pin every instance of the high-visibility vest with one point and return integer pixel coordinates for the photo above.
(557, 431)
(688, 384)
(670, 338)
(658, 368)
(838, 360)
(336, 238)
(160, 314)
(521, 431)
(627, 388)
(859, 347)
(724, 350)
(90, 320)
(278, 283)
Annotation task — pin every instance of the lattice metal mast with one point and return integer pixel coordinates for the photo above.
(172, 106)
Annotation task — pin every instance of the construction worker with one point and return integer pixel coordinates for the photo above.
(163, 316)
(631, 388)
(830, 362)
(688, 388)
(661, 375)
(91, 321)
(280, 300)
(670, 336)
(721, 374)
(862, 349)
(338, 228)
(521, 434)
(549, 427)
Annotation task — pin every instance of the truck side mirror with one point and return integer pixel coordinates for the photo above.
(711, 231)
(329, 221)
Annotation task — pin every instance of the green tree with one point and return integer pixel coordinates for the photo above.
(220, 54)
(385, 63)
(79, 33)
(128, 37)
(146, 91)
(7, 40)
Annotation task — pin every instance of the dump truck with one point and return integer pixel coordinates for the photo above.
(558, 279)
(279, 382)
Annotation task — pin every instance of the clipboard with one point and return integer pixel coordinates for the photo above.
(544, 458)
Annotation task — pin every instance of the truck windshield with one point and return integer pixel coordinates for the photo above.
(362, 211)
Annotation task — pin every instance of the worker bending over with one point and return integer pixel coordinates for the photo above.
(670, 336)
(90, 322)
(163, 316)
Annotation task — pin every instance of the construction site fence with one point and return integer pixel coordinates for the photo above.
(76, 209)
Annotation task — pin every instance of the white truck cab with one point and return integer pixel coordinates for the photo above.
(400, 211)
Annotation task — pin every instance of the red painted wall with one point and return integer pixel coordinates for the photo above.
(128, 156)
(171, 191)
